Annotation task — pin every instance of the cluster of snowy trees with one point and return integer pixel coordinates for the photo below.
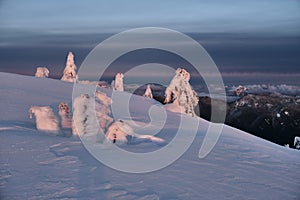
(92, 113)
(69, 74)
(86, 122)
(91, 117)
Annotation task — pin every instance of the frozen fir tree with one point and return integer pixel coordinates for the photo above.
(102, 106)
(64, 113)
(69, 74)
(65, 119)
(117, 84)
(45, 118)
(84, 119)
(42, 72)
(148, 92)
(181, 93)
(297, 142)
(241, 91)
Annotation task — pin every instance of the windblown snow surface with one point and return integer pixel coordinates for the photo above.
(38, 165)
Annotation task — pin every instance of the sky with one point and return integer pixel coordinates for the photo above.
(259, 36)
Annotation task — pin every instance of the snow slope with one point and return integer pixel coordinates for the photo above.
(37, 165)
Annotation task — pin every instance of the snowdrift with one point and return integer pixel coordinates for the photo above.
(37, 165)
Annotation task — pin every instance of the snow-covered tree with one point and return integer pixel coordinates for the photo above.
(241, 91)
(84, 119)
(42, 72)
(103, 110)
(69, 74)
(121, 132)
(118, 132)
(297, 142)
(44, 118)
(181, 93)
(117, 84)
(64, 113)
(148, 92)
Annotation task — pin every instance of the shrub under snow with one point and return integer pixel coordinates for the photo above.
(69, 74)
(44, 118)
(41, 72)
(181, 93)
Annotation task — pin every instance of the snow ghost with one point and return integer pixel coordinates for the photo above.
(103, 110)
(64, 113)
(42, 72)
(44, 118)
(85, 122)
(103, 98)
(120, 132)
(118, 83)
(181, 93)
(69, 74)
(64, 109)
(148, 92)
(297, 142)
(241, 91)
(83, 116)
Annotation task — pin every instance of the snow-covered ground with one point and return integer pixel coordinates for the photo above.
(39, 165)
